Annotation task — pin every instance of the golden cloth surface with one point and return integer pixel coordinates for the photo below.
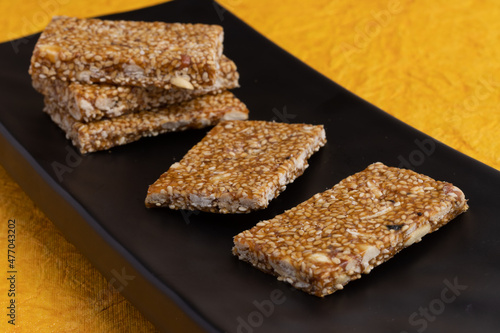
(432, 64)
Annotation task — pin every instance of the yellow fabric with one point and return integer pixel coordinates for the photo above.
(432, 64)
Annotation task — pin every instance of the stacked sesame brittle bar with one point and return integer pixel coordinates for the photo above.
(90, 102)
(335, 236)
(129, 53)
(199, 112)
(238, 167)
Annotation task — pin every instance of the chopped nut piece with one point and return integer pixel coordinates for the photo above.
(346, 245)
(238, 167)
(181, 83)
(50, 51)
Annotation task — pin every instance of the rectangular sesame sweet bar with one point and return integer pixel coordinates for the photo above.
(91, 102)
(330, 239)
(238, 167)
(103, 134)
(129, 52)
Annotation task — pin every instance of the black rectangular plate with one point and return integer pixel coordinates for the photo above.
(177, 267)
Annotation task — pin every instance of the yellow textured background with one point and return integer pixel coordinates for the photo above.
(432, 63)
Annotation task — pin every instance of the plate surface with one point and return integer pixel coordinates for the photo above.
(177, 267)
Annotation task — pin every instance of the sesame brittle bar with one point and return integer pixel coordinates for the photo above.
(91, 102)
(129, 52)
(238, 167)
(330, 239)
(103, 134)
